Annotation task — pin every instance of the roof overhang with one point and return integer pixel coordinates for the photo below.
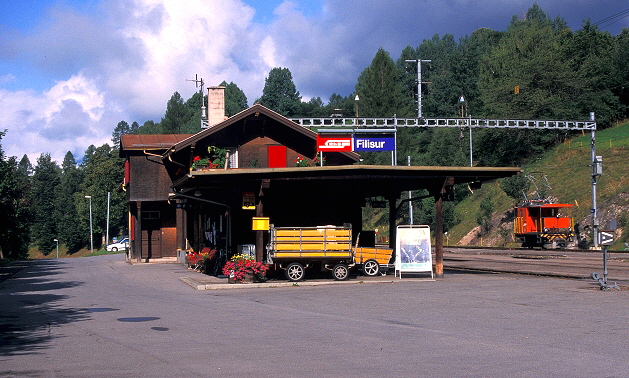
(367, 180)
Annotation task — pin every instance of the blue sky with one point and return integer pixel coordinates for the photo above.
(70, 70)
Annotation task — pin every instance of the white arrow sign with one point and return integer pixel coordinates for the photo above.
(606, 237)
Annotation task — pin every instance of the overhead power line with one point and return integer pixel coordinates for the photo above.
(612, 19)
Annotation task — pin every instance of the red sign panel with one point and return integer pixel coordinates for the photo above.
(337, 143)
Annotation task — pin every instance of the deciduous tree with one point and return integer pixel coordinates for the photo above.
(102, 171)
(14, 208)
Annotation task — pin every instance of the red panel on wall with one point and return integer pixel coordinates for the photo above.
(276, 156)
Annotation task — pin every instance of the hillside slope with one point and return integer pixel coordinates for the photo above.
(567, 168)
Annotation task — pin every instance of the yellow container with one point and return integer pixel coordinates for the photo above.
(260, 224)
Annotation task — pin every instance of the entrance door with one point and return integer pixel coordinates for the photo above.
(151, 238)
(276, 156)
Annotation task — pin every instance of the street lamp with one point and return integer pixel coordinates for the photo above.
(91, 232)
(462, 102)
(356, 99)
(57, 247)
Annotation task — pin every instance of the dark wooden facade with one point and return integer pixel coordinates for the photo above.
(205, 207)
(152, 225)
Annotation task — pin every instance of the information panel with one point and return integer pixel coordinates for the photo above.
(412, 250)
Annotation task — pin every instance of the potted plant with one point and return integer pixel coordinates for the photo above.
(199, 163)
(216, 158)
(301, 161)
(244, 269)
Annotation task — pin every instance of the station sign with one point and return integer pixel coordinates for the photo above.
(374, 144)
(336, 143)
(248, 201)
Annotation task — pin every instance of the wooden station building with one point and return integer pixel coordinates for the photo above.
(174, 208)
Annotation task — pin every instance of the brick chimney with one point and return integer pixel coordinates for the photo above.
(216, 105)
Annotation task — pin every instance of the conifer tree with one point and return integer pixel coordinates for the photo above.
(177, 115)
(46, 179)
(280, 94)
(121, 129)
(379, 89)
(70, 232)
(235, 99)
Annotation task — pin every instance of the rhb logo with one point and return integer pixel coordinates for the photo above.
(334, 144)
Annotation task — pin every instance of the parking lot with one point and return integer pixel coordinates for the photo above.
(101, 316)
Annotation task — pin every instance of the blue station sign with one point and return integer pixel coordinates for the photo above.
(374, 144)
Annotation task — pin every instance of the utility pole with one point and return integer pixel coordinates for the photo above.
(597, 170)
(91, 229)
(410, 203)
(469, 123)
(107, 232)
(419, 83)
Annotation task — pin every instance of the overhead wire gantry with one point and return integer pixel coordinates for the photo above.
(353, 124)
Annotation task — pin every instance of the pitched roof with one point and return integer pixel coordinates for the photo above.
(150, 141)
(254, 111)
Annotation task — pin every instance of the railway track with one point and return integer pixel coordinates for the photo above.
(559, 263)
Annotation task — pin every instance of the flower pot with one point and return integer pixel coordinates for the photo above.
(249, 278)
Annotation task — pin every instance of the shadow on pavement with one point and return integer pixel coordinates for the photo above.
(31, 307)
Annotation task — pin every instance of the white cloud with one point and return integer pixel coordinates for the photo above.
(178, 42)
(68, 117)
(8, 78)
(150, 49)
(126, 59)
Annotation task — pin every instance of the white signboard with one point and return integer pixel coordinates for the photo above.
(412, 250)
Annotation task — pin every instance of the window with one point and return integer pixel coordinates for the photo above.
(150, 215)
(233, 157)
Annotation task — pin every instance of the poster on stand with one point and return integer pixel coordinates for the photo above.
(412, 250)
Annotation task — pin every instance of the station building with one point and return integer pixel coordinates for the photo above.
(186, 192)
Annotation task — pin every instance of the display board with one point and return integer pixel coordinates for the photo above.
(412, 250)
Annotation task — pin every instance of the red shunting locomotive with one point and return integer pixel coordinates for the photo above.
(544, 225)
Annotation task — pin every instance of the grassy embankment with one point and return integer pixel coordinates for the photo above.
(34, 253)
(567, 168)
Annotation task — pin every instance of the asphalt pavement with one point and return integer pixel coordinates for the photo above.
(102, 317)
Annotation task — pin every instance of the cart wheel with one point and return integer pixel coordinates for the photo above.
(340, 272)
(295, 272)
(371, 268)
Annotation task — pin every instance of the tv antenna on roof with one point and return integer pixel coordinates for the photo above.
(199, 83)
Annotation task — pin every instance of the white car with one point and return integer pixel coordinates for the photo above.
(121, 244)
